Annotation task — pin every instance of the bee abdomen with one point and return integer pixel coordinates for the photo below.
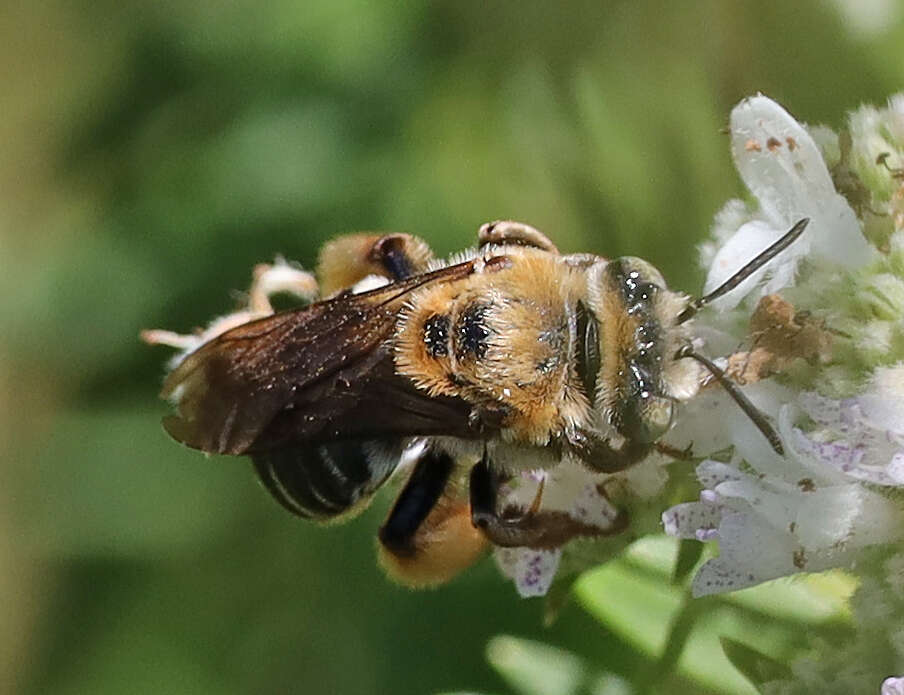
(322, 481)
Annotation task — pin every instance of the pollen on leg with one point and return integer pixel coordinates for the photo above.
(445, 545)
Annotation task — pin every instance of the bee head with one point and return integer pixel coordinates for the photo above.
(627, 338)
(648, 362)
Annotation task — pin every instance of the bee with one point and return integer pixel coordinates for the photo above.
(507, 358)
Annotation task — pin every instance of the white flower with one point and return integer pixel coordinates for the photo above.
(783, 168)
(806, 511)
(809, 510)
(893, 686)
(569, 489)
(770, 527)
(822, 502)
(863, 437)
(532, 571)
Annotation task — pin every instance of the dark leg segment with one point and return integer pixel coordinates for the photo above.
(420, 495)
(597, 454)
(533, 529)
(396, 255)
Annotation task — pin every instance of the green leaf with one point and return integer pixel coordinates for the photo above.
(641, 608)
(680, 631)
(534, 668)
(755, 665)
(816, 599)
(557, 598)
(635, 606)
(689, 553)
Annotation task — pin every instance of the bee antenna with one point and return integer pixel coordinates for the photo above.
(756, 416)
(762, 259)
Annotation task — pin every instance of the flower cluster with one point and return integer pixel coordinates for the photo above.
(825, 319)
(776, 516)
(833, 500)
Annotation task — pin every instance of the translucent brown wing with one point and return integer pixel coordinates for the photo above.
(321, 373)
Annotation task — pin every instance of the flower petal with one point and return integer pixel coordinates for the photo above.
(778, 160)
(712, 473)
(893, 686)
(688, 519)
(532, 571)
(883, 402)
(783, 168)
(852, 438)
(750, 552)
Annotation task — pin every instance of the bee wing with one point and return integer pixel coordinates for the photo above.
(320, 373)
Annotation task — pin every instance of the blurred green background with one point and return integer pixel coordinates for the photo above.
(154, 152)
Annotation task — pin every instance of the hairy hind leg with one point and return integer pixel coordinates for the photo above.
(347, 260)
(428, 538)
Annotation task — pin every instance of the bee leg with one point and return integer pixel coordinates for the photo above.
(599, 455)
(279, 277)
(502, 232)
(685, 454)
(532, 528)
(349, 259)
(267, 280)
(428, 538)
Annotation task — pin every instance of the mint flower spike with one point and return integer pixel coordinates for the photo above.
(834, 499)
(810, 510)
(783, 168)
(829, 499)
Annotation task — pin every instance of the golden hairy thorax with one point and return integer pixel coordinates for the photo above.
(506, 339)
(501, 339)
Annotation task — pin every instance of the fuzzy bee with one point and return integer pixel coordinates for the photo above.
(509, 357)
